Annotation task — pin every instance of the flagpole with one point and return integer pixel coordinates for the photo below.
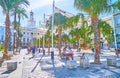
(52, 53)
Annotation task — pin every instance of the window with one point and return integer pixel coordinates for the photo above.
(31, 33)
(23, 39)
(27, 39)
(118, 22)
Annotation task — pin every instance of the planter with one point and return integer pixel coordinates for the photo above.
(11, 65)
(111, 61)
(71, 64)
(84, 63)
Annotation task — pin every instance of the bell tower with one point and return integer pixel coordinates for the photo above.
(31, 16)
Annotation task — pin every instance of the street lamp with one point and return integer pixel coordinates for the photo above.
(14, 41)
(52, 52)
(43, 41)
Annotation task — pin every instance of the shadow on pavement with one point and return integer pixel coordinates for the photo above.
(7, 72)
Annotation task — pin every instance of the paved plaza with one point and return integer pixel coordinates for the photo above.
(41, 66)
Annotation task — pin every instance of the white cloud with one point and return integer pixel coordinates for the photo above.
(40, 3)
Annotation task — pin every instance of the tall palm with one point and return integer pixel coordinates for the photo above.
(60, 21)
(85, 32)
(75, 33)
(17, 4)
(65, 39)
(105, 29)
(7, 6)
(94, 8)
(48, 39)
(21, 13)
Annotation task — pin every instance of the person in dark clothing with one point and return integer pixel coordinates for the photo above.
(33, 51)
(39, 50)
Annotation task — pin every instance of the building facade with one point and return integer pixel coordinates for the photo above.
(31, 32)
(116, 20)
(2, 36)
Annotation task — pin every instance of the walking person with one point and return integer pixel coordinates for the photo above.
(29, 50)
(33, 51)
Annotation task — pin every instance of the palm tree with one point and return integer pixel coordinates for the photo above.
(75, 33)
(85, 32)
(116, 5)
(16, 5)
(7, 6)
(21, 13)
(105, 29)
(48, 39)
(72, 21)
(60, 21)
(65, 39)
(94, 8)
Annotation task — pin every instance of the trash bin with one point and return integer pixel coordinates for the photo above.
(52, 55)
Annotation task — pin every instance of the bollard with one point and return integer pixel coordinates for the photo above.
(39, 50)
(43, 52)
(52, 55)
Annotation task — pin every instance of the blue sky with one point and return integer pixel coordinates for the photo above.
(39, 7)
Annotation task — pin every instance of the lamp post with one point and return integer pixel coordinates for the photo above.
(43, 41)
(14, 42)
(114, 30)
(52, 52)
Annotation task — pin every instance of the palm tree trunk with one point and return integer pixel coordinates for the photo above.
(19, 31)
(7, 35)
(78, 44)
(99, 38)
(59, 41)
(96, 40)
(49, 46)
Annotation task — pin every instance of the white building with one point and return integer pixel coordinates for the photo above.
(31, 32)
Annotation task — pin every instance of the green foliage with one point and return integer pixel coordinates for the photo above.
(85, 30)
(1, 47)
(72, 21)
(65, 38)
(48, 37)
(116, 5)
(93, 7)
(105, 29)
(59, 19)
(20, 35)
